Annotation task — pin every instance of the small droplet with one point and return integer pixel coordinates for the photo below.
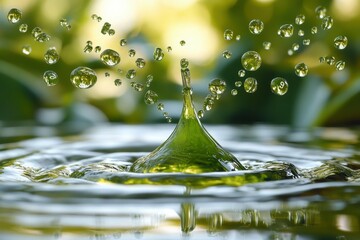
(327, 23)
(107, 74)
(105, 28)
(200, 113)
(111, 32)
(151, 97)
(184, 63)
(314, 30)
(83, 77)
(321, 59)
(300, 19)
(123, 42)
(234, 92)
(209, 102)
(301, 69)
(228, 34)
(340, 42)
(26, 49)
(14, 15)
(64, 23)
(149, 79)
(158, 54)
(250, 85)
(117, 82)
(132, 53)
(340, 65)
(306, 42)
(51, 56)
(267, 45)
(295, 47)
(43, 37)
(182, 43)
(320, 12)
(286, 30)
(160, 107)
(50, 78)
(23, 28)
(238, 37)
(88, 47)
(290, 52)
(94, 16)
(238, 84)
(241, 73)
(256, 26)
(99, 19)
(217, 86)
(97, 49)
(279, 86)
(227, 54)
(330, 60)
(35, 32)
(138, 87)
(110, 57)
(140, 62)
(131, 74)
(251, 60)
(169, 48)
(301, 33)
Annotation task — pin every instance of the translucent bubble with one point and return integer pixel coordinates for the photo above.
(111, 32)
(36, 31)
(26, 49)
(250, 85)
(320, 12)
(234, 92)
(160, 107)
(267, 45)
(105, 28)
(184, 63)
(228, 34)
(117, 82)
(137, 86)
(238, 37)
(251, 60)
(97, 49)
(200, 113)
(301, 33)
(330, 60)
(110, 57)
(306, 42)
(340, 42)
(286, 30)
(340, 65)
(295, 47)
(140, 62)
(50, 78)
(256, 26)
(300, 19)
(314, 30)
(241, 73)
(158, 54)
(301, 69)
(83, 77)
(123, 42)
(131, 74)
(217, 86)
(132, 53)
(182, 42)
(151, 97)
(279, 86)
(327, 23)
(169, 48)
(51, 56)
(238, 84)
(227, 54)
(14, 15)
(23, 28)
(43, 37)
(107, 74)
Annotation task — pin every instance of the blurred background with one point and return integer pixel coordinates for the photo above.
(325, 97)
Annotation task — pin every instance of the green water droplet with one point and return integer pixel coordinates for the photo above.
(228, 34)
(340, 42)
(123, 42)
(99, 19)
(132, 52)
(290, 52)
(149, 79)
(267, 45)
(251, 61)
(64, 23)
(23, 28)
(320, 12)
(238, 37)
(107, 74)
(111, 32)
(158, 54)
(250, 85)
(279, 86)
(300, 19)
(301, 69)
(301, 33)
(295, 47)
(234, 92)
(151, 97)
(200, 113)
(169, 48)
(131, 74)
(238, 84)
(321, 59)
(217, 86)
(97, 49)
(88, 47)
(110, 57)
(83, 77)
(286, 30)
(182, 42)
(35, 32)
(241, 73)
(43, 37)
(50, 78)
(208, 102)
(137, 86)
(227, 54)
(314, 30)
(105, 28)
(306, 42)
(14, 15)
(26, 49)
(184, 63)
(94, 16)
(327, 23)
(340, 65)
(160, 107)
(117, 82)
(256, 26)
(140, 62)
(51, 56)
(330, 60)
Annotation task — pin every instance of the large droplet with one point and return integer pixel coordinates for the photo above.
(327, 23)
(250, 85)
(50, 78)
(51, 56)
(286, 30)
(228, 34)
(320, 12)
(151, 97)
(340, 42)
(158, 54)
(256, 26)
(83, 77)
(279, 86)
(251, 60)
(217, 86)
(110, 57)
(301, 69)
(14, 15)
(140, 62)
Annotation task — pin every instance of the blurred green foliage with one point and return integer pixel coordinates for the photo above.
(324, 97)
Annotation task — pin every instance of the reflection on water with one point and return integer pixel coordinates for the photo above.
(298, 185)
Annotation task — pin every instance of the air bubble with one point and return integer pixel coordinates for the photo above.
(110, 57)
(250, 85)
(151, 97)
(286, 30)
(217, 86)
(256, 26)
(50, 78)
(51, 56)
(83, 77)
(228, 34)
(279, 86)
(140, 62)
(301, 69)
(14, 15)
(227, 54)
(251, 61)
(340, 42)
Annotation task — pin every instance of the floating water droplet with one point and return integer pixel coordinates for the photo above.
(340, 65)
(160, 107)
(151, 97)
(140, 62)
(149, 79)
(51, 56)
(99, 19)
(279, 86)
(301, 69)
(137, 86)
(238, 37)
(300, 19)
(169, 48)
(217, 86)
(35, 32)
(111, 32)
(123, 42)
(132, 52)
(158, 54)
(228, 34)
(330, 60)
(117, 82)
(88, 47)
(14, 15)
(251, 60)
(250, 85)
(241, 73)
(320, 12)
(107, 74)
(227, 54)
(83, 77)
(97, 49)
(105, 28)
(321, 59)
(94, 16)
(23, 28)
(182, 42)
(301, 33)
(295, 47)
(110, 57)
(306, 42)
(290, 52)
(327, 23)
(234, 92)
(209, 102)
(131, 74)
(200, 113)
(50, 78)
(184, 63)
(43, 37)
(238, 84)
(314, 30)
(256, 26)
(26, 49)
(340, 42)
(267, 45)
(64, 23)
(286, 30)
